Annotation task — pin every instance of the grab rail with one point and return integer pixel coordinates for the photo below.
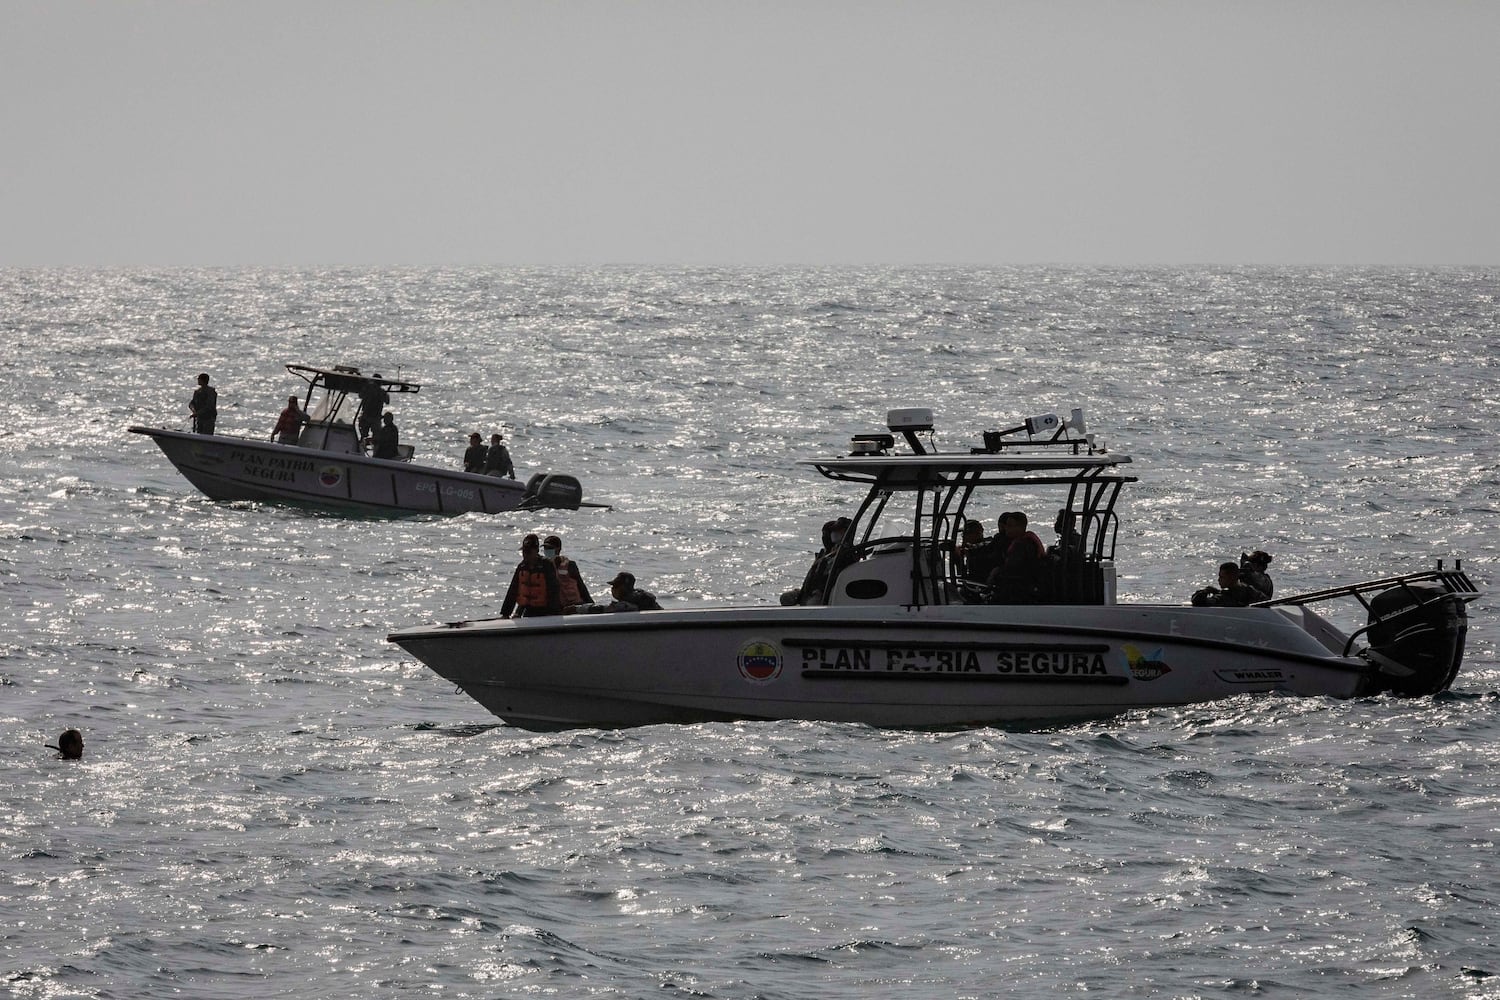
(1455, 583)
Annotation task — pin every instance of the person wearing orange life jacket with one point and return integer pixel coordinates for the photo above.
(569, 581)
(1019, 576)
(533, 586)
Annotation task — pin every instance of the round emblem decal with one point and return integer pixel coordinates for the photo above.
(759, 661)
(331, 475)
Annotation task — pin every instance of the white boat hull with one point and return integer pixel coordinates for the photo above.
(236, 468)
(933, 666)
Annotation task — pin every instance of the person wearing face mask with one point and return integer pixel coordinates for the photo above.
(827, 564)
(569, 581)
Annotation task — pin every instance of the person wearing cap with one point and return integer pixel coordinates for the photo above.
(388, 438)
(1232, 592)
(828, 562)
(474, 454)
(627, 597)
(204, 406)
(372, 399)
(497, 460)
(1253, 566)
(569, 581)
(533, 587)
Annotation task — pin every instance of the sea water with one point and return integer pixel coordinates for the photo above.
(274, 801)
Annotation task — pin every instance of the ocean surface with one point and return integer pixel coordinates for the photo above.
(274, 801)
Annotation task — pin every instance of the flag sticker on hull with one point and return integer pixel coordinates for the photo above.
(759, 661)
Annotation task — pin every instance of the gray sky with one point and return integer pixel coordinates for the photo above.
(312, 133)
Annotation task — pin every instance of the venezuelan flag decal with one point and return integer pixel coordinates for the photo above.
(759, 661)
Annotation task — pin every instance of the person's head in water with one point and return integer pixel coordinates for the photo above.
(69, 745)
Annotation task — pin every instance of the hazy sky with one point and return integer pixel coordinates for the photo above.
(312, 133)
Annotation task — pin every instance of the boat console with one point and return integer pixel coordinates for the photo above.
(906, 535)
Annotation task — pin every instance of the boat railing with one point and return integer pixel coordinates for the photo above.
(1454, 583)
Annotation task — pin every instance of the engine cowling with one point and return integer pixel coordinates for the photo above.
(553, 490)
(1417, 635)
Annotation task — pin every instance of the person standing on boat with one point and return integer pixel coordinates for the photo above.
(570, 585)
(372, 400)
(533, 587)
(1018, 578)
(204, 406)
(497, 460)
(1232, 592)
(1253, 568)
(289, 425)
(474, 455)
(388, 438)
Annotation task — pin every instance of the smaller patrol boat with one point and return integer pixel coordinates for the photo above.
(895, 635)
(328, 467)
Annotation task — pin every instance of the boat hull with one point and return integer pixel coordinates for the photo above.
(233, 468)
(892, 667)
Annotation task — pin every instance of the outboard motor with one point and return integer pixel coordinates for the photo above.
(1417, 637)
(552, 490)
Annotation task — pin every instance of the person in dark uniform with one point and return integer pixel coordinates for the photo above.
(474, 454)
(372, 400)
(827, 563)
(978, 556)
(204, 406)
(1253, 566)
(497, 460)
(388, 438)
(627, 597)
(1069, 544)
(1232, 592)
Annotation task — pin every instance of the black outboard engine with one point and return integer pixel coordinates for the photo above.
(552, 490)
(1417, 639)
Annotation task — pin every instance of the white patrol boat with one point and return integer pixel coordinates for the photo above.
(329, 467)
(897, 637)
